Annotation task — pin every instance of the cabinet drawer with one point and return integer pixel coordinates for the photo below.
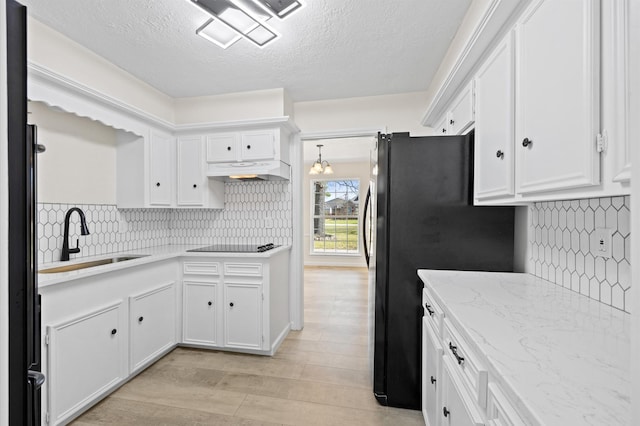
(243, 269)
(201, 268)
(500, 412)
(469, 366)
(432, 311)
(458, 405)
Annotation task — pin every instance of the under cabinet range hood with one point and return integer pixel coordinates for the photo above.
(249, 171)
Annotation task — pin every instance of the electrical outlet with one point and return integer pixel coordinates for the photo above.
(603, 242)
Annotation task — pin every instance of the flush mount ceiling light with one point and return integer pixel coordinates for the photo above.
(236, 19)
(320, 167)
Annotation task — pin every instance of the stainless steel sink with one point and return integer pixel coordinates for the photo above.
(91, 264)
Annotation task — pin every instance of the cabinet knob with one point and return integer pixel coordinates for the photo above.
(140, 319)
(195, 186)
(445, 411)
(428, 308)
(209, 303)
(157, 183)
(248, 146)
(500, 154)
(444, 130)
(113, 332)
(433, 380)
(526, 142)
(451, 122)
(231, 304)
(228, 148)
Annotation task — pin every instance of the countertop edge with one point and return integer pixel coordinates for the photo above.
(151, 255)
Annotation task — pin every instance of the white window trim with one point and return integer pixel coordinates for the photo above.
(310, 213)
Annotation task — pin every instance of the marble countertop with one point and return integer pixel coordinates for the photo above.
(150, 255)
(564, 357)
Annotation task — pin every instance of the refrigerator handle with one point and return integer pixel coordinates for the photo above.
(364, 225)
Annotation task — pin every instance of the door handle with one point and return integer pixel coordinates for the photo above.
(364, 226)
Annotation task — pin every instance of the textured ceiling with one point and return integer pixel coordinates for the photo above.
(329, 49)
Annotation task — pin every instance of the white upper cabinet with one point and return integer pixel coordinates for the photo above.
(494, 128)
(248, 145)
(161, 159)
(461, 116)
(194, 189)
(191, 179)
(223, 147)
(258, 145)
(557, 98)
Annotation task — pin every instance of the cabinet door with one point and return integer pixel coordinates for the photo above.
(191, 180)
(258, 145)
(462, 115)
(199, 313)
(223, 148)
(432, 352)
(161, 167)
(458, 408)
(152, 325)
(440, 128)
(86, 358)
(494, 129)
(557, 71)
(243, 315)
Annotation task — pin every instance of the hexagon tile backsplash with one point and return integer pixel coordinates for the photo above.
(563, 247)
(254, 213)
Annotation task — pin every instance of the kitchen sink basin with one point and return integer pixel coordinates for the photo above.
(91, 264)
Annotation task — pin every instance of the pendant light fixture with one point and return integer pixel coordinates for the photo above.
(321, 167)
(232, 20)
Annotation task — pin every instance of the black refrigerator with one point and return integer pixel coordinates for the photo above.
(425, 220)
(25, 378)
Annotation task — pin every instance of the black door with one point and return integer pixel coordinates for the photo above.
(24, 307)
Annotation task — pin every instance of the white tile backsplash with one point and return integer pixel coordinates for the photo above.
(254, 213)
(563, 247)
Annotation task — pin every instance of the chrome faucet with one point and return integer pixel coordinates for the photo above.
(83, 231)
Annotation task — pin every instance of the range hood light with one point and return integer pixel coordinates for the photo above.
(243, 176)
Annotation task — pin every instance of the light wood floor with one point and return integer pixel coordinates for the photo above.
(319, 376)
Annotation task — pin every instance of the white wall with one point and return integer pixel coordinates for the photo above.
(341, 171)
(52, 50)
(232, 106)
(399, 113)
(79, 165)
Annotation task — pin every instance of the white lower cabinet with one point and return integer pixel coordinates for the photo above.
(199, 324)
(431, 374)
(239, 304)
(458, 406)
(87, 357)
(243, 315)
(152, 319)
(499, 411)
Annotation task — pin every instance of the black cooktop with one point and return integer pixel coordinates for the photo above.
(235, 248)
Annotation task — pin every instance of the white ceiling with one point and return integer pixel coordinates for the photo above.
(329, 49)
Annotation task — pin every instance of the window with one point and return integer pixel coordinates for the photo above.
(335, 210)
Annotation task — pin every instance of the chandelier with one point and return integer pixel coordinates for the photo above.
(320, 167)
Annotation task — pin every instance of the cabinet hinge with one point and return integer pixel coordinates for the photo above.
(602, 141)
(46, 339)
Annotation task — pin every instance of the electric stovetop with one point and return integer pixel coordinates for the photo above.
(235, 248)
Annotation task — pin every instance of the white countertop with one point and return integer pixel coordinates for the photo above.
(151, 254)
(564, 356)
